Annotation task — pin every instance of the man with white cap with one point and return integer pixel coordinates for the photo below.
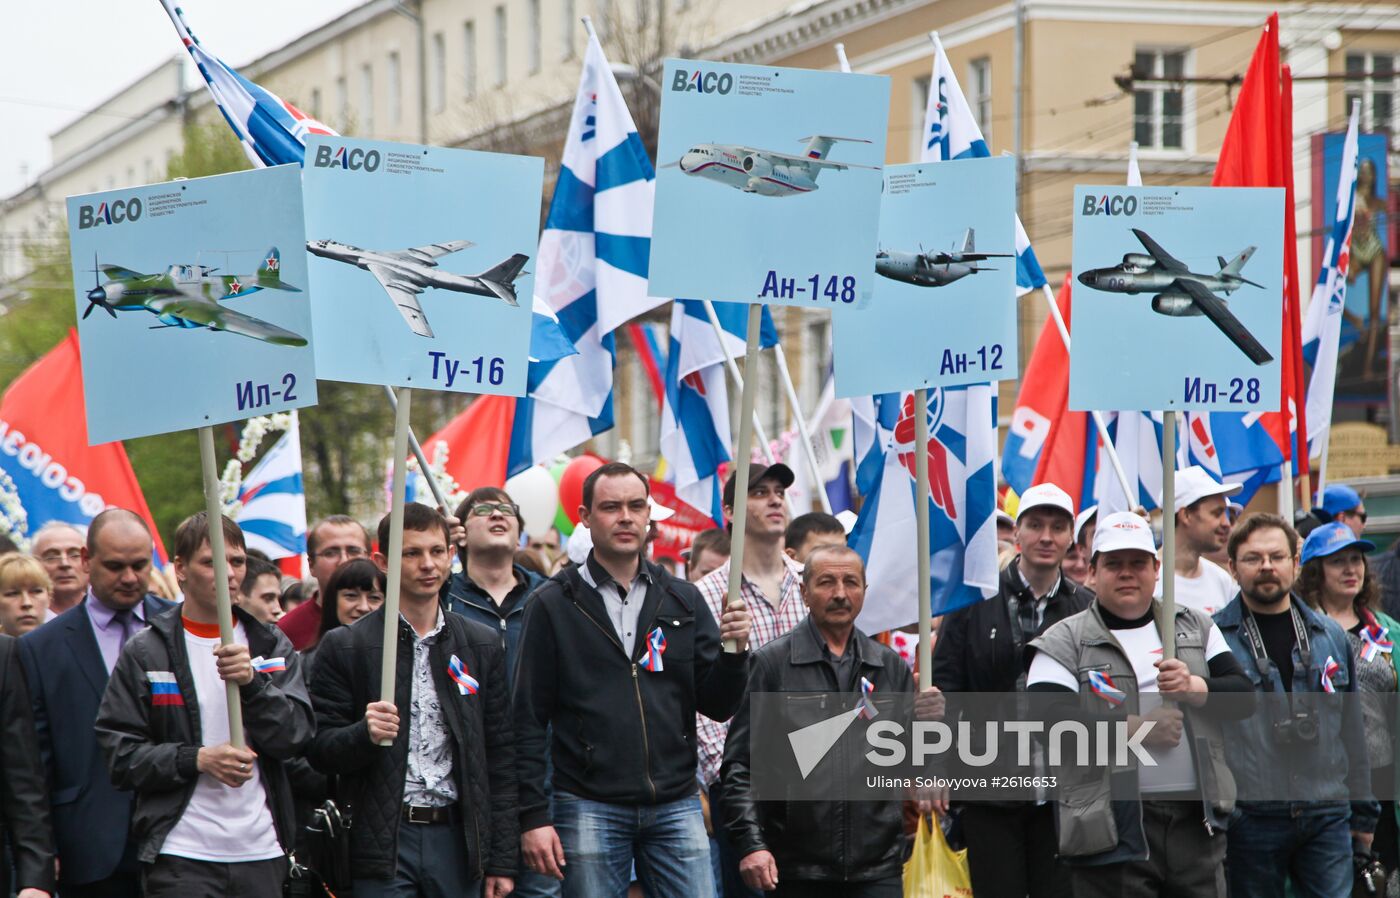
(1011, 845)
(1202, 528)
(1113, 650)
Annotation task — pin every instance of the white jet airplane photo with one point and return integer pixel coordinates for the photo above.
(764, 172)
(934, 268)
(405, 273)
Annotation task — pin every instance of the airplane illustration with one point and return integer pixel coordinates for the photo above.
(764, 172)
(191, 296)
(405, 273)
(934, 268)
(1182, 292)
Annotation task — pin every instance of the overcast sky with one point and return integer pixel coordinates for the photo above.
(62, 58)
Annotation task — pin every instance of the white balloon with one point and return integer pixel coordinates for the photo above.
(535, 491)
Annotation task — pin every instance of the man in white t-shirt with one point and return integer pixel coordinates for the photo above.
(211, 820)
(1202, 528)
(1113, 652)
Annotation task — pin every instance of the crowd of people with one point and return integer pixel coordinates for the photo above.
(580, 723)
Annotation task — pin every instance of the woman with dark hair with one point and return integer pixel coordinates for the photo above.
(355, 589)
(1336, 580)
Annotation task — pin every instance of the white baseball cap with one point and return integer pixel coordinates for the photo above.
(1085, 517)
(1124, 530)
(1193, 484)
(1045, 495)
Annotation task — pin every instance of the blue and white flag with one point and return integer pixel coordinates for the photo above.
(272, 499)
(695, 432)
(951, 132)
(872, 422)
(1322, 326)
(273, 132)
(962, 511)
(592, 268)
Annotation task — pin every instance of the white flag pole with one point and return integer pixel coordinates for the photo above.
(1169, 534)
(214, 511)
(743, 454)
(394, 552)
(921, 537)
(803, 430)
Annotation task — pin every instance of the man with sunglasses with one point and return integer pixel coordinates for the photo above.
(492, 589)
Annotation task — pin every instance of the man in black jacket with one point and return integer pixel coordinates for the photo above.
(819, 849)
(24, 800)
(435, 811)
(617, 655)
(1011, 845)
(211, 819)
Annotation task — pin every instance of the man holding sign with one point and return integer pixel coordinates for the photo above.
(618, 656)
(211, 818)
(436, 808)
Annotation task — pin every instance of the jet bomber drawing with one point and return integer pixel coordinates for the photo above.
(406, 273)
(1181, 292)
(764, 172)
(934, 268)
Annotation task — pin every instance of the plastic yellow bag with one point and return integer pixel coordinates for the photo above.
(934, 870)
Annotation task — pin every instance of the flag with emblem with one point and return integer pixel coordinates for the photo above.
(1322, 328)
(1234, 447)
(962, 511)
(951, 132)
(695, 433)
(592, 268)
(272, 500)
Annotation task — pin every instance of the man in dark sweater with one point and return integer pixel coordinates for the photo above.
(618, 656)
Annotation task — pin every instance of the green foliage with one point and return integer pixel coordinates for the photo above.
(210, 149)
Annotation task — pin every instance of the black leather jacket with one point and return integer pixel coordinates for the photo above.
(371, 779)
(24, 796)
(831, 841)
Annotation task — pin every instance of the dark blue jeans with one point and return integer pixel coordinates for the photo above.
(431, 864)
(600, 842)
(1312, 846)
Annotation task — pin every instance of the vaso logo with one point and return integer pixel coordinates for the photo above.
(1109, 204)
(703, 82)
(354, 159)
(115, 212)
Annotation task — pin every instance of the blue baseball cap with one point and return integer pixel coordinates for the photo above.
(1337, 498)
(1332, 538)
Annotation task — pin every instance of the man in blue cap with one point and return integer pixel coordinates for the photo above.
(1342, 504)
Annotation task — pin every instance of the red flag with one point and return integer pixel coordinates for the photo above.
(679, 531)
(1258, 152)
(1066, 455)
(44, 448)
(478, 442)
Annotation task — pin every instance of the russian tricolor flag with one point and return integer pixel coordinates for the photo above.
(164, 689)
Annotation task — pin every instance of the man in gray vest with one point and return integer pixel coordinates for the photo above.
(1112, 653)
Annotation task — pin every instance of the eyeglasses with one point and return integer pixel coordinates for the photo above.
(1278, 559)
(1359, 513)
(335, 552)
(486, 509)
(54, 556)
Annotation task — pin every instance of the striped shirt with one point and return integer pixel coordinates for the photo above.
(770, 620)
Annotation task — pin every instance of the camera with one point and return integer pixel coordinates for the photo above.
(1299, 729)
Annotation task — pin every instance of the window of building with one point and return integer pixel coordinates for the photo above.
(342, 104)
(437, 94)
(1159, 122)
(469, 59)
(532, 36)
(1372, 79)
(979, 94)
(916, 115)
(315, 109)
(644, 431)
(395, 87)
(502, 59)
(366, 109)
(566, 30)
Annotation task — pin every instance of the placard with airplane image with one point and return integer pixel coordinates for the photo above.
(944, 311)
(768, 184)
(192, 301)
(1178, 298)
(421, 258)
